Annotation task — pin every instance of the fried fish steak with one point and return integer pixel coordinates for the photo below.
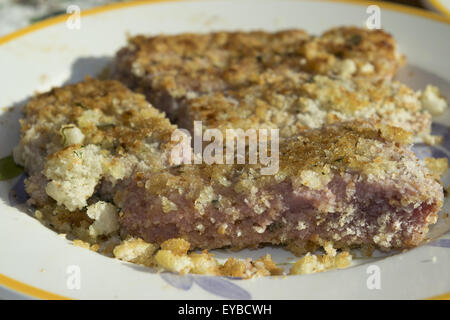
(78, 142)
(350, 184)
(95, 149)
(169, 69)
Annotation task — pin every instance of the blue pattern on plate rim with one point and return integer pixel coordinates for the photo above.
(220, 286)
(17, 195)
(224, 286)
(444, 131)
(423, 150)
(441, 243)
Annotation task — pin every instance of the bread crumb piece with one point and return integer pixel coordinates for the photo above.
(71, 135)
(367, 68)
(168, 205)
(74, 173)
(315, 180)
(247, 269)
(106, 218)
(81, 244)
(174, 256)
(432, 100)
(135, 251)
(329, 249)
(346, 68)
(270, 265)
(320, 263)
(178, 246)
(437, 166)
(234, 267)
(38, 215)
(170, 261)
(85, 245)
(204, 263)
(432, 140)
(396, 134)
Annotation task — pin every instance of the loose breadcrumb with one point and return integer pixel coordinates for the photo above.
(170, 261)
(81, 244)
(74, 173)
(85, 245)
(433, 101)
(269, 265)
(174, 256)
(136, 251)
(235, 268)
(204, 263)
(313, 263)
(437, 166)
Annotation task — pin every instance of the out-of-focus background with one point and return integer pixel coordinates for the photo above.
(16, 14)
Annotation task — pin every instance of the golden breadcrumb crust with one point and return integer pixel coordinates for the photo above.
(293, 102)
(173, 256)
(218, 199)
(194, 63)
(77, 142)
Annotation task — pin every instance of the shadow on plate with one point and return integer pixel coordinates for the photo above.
(87, 66)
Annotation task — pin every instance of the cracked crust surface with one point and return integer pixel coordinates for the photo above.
(80, 142)
(120, 157)
(288, 79)
(293, 102)
(350, 183)
(168, 69)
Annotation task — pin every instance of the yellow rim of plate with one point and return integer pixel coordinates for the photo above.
(440, 7)
(121, 5)
(42, 294)
(29, 290)
(445, 296)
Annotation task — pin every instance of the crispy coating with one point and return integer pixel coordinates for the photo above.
(350, 184)
(108, 115)
(171, 68)
(293, 102)
(288, 79)
(79, 142)
(374, 52)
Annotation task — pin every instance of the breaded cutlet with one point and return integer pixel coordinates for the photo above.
(80, 142)
(171, 68)
(99, 165)
(350, 184)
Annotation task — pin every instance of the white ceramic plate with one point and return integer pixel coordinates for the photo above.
(36, 262)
